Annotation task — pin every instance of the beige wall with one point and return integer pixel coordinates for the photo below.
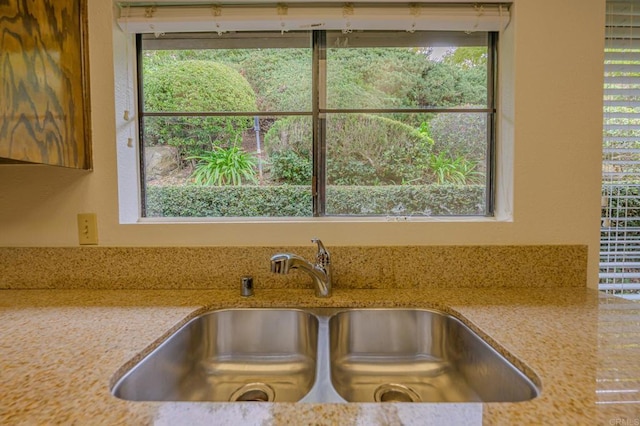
(551, 125)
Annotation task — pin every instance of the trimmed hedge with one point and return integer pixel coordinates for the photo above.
(292, 201)
(406, 200)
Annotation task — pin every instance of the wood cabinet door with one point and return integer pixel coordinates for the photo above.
(44, 83)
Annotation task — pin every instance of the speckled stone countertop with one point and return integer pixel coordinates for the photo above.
(60, 350)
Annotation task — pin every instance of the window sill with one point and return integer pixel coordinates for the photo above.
(334, 219)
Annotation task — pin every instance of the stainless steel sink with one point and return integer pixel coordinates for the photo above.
(230, 355)
(325, 355)
(411, 355)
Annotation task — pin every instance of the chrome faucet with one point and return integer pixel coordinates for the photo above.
(320, 273)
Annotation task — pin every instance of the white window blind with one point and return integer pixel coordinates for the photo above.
(620, 232)
(316, 16)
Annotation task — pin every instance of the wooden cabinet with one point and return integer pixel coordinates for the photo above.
(44, 83)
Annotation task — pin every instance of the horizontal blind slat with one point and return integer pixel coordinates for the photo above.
(621, 68)
(621, 82)
(625, 103)
(614, 56)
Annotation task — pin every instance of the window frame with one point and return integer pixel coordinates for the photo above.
(318, 113)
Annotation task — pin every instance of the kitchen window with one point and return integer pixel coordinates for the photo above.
(350, 122)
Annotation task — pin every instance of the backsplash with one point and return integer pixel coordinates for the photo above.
(539, 266)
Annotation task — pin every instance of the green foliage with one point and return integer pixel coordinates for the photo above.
(193, 86)
(229, 201)
(467, 57)
(289, 134)
(456, 170)
(362, 149)
(224, 166)
(357, 78)
(425, 130)
(281, 78)
(366, 150)
(290, 167)
(296, 201)
(448, 85)
(622, 202)
(369, 78)
(406, 200)
(468, 170)
(468, 74)
(460, 135)
(401, 77)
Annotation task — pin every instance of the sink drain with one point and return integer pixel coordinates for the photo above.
(258, 392)
(393, 392)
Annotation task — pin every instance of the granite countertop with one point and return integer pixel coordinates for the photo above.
(60, 350)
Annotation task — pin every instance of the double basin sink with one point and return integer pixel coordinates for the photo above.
(325, 355)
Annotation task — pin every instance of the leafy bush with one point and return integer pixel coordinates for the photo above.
(280, 77)
(368, 150)
(362, 149)
(460, 135)
(358, 78)
(292, 201)
(467, 57)
(289, 167)
(196, 86)
(224, 166)
(457, 170)
(397, 77)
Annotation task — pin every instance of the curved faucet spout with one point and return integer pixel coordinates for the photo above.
(281, 263)
(320, 273)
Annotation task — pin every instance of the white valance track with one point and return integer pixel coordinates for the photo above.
(137, 18)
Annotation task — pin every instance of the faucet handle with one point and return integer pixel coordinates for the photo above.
(323, 258)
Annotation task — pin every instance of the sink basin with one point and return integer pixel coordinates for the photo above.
(412, 355)
(325, 355)
(230, 355)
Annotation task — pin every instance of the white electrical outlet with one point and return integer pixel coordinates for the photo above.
(87, 228)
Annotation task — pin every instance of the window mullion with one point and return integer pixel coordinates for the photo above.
(319, 104)
(141, 137)
(492, 78)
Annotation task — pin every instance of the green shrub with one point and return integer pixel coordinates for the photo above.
(392, 77)
(225, 166)
(458, 171)
(441, 84)
(289, 167)
(292, 201)
(460, 135)
(196, 86)
(362, 149)
(290, 134)
(281, 77)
